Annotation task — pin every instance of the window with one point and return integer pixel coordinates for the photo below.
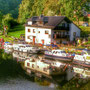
(44, 69)
(46, 32)
(28, 64)
(38, 31)
(74, 34)
(32, 65)
(33, 30)
(28, 30)
(53, 51)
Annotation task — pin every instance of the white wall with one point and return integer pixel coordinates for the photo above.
(30, 23)
(30, 63)
(74, 28)
(39, 36)
(41, 65)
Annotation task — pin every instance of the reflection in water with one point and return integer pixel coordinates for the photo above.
(37, 65)
(82, 72)
(45, 66)
(50, 72)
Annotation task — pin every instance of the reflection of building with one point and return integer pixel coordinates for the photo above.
(50, 29)
(38, 65)
(20, 56)
(44, 66)
(83, 59)
(83, 72)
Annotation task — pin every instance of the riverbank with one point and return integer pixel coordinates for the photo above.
(21, 84)
(13, 33)
(14, 77)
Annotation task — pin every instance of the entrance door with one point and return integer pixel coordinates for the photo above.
(42, 41)
(33, 39)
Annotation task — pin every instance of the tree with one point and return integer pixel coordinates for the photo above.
(1, 16)
(25, 10)
(37, 8)
(10, 6)
(8, 22)
(73, 9)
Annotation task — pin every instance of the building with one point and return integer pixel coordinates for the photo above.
(50, 30)
(39, 66)
(45, 66)
(83, 72)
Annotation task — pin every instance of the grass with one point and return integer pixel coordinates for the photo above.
(85, 31)
(17, 31)
(20, 29)
(85, 28)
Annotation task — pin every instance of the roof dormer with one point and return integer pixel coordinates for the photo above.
(29, 22)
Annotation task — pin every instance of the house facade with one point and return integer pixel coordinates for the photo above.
(38, 65)
(50, 30)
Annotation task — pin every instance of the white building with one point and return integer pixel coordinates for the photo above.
(38, 65)
(50, 29)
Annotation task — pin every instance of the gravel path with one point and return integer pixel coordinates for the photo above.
(21, 84)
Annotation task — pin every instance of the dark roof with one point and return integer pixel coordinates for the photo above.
(51, 21)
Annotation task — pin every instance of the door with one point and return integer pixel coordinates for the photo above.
(33, 39)
(42, 41)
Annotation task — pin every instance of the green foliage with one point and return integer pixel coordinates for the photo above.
(73, 9)
(1, 16)
(5, 21)
(9, 68)
(41, 82)
(10, 6)
(17, 31)
(8, 22)
(85, 31)
(9, 39)
(14, 32)
(75, 84)
(25, 10)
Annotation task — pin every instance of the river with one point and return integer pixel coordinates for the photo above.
(16, 73)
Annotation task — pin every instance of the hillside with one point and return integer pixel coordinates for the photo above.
(10, 6)
(73, 9)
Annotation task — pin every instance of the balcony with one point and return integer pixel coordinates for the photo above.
(56, 37)
(61, 28)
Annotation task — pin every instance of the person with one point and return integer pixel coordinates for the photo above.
(78, 42)
(73, 54)
(83, 41)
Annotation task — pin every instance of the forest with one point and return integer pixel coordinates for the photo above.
(73, 9)
(14, 12)
(10, 6)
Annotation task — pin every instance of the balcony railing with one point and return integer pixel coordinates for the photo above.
(62, 28)
(60, 36)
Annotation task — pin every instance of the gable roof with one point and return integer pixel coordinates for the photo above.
(51, 21)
